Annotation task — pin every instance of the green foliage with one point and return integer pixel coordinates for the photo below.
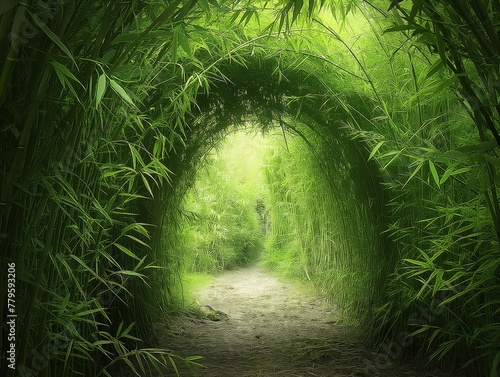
(109, 107)
(79, 186)
(191, 282)
(436, 168)
(322, 227)
(221, 228)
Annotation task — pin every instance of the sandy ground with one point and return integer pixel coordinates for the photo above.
(257, 325)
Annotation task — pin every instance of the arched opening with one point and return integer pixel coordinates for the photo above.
(247, 319)
(224, 214)
(350, 200)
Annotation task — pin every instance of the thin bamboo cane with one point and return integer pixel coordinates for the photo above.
(16, 40)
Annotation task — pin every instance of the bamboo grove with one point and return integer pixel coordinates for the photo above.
(390, 109)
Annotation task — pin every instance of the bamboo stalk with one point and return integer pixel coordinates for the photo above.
(19, 159)
(17, 39)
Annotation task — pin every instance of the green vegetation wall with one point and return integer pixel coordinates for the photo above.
(109, 107)
(327, 216)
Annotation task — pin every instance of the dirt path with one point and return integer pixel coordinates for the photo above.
(264, 327)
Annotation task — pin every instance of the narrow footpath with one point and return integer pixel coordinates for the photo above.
(256, 325)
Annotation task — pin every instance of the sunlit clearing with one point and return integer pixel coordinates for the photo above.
(222, 225)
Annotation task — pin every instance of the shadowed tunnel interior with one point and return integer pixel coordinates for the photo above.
(353, 185)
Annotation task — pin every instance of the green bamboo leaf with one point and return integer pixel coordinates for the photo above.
(461, 171)
(493, 160)
(71, 273)
(87, 268)
(427, 282)
(484, 180)
(138, 357)
(174, 47)
(284, 14)
(59, 68)
(247, 16)
(119, 329)
(391, 153)
(415, 9)
(434, 173)
(428, 259)
(417, 169)
(396, 155)
(184, 41)
(88, 312)
(422, 329)
(136, 158)
(444, 348)
(126, 251)
(174, 365)
(102, 343)
(444, 84)
(139, 228)
(69, 352)
(204, 5)
(111, 173)
(127, 360)
(137, 240)
(146, 183)
(53, 37)
(310, 8)
(441, 47)
(448, 173)
(132, 273)
(404, 27)
(64, 76)
(434, 68)
(418, 263)
(438, 281)
(100, 90)
(297, 7)
(121, 92)
(375, 149)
